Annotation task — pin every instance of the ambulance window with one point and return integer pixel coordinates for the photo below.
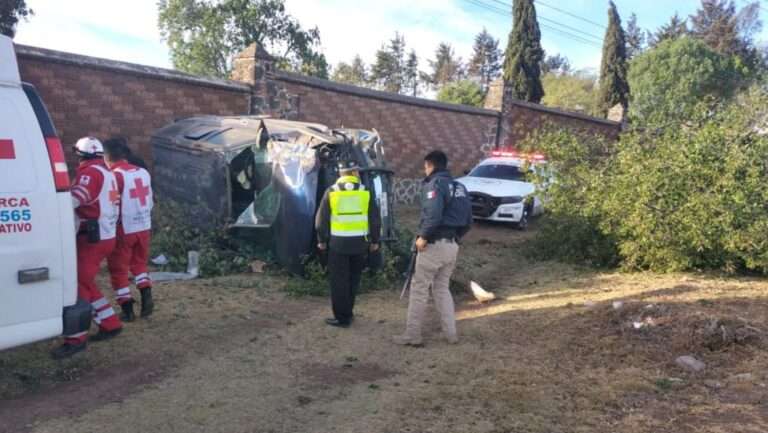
(17, 162)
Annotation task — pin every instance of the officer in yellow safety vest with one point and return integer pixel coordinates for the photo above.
(348, 225)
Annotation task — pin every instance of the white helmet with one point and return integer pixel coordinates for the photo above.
(89, 147)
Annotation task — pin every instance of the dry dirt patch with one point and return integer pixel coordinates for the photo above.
(552, 355)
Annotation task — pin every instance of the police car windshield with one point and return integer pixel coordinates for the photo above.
(499, 171)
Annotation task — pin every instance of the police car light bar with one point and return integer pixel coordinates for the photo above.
(516, 154)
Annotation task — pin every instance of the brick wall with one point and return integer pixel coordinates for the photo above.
(89, 96)
(520, 119)
(410, 127)
(93, 96)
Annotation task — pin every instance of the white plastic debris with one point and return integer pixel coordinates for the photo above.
(193, 270)
(618, 305)
(160, 260)
(480, 294)
(690, 363)
(257, 266)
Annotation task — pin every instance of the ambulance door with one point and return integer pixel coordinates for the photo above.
(31, 263)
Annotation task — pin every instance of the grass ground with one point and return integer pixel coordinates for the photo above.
(234, 354)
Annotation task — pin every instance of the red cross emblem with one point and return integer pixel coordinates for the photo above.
(114, 195)
(140, 191)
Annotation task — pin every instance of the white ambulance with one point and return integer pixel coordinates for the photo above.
(38, 273)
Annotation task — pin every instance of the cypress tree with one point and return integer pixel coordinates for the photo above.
(523, 57)
(614, 88)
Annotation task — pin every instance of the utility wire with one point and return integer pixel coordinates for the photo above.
(570, 14)
(573, 29)
(572, 36)
(551, 21)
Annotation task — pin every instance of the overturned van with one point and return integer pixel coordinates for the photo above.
(254, 172)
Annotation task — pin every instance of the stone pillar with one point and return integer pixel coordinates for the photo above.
(256, 67)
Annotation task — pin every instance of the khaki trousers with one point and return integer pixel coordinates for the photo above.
(434, 267)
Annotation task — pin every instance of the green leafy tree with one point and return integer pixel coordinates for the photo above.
(355, 73)
(446, 67)
(523, 57)
(464, 92)
(11, 12)
(636, 38)
(557, 64)
(573, 92)
(671, 80)
(485, 64)
(674, 29)
(389, 70)
(614, 88)
(205, 35)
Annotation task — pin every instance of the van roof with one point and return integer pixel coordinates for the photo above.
(9, 70)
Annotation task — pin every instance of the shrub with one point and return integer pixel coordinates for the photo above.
(221, 252)
(669, 81)
(692, 196)
(396, 258)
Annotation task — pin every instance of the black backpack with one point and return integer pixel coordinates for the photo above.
(458, 210)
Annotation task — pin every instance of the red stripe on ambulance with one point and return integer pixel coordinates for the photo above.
(7, 149)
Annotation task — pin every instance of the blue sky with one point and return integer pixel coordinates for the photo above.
(127, 31)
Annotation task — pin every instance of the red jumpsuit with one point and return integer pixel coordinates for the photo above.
(96, 196)
(131, 254)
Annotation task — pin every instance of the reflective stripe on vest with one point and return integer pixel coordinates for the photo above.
(349, 202)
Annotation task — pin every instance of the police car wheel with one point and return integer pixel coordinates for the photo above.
(522, 225)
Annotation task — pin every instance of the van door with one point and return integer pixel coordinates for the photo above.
(31, 257)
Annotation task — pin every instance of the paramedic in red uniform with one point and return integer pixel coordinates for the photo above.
(95, 199)
(133, 229)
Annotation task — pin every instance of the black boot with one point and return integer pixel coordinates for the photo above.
(106, 335)
(67, 350)
(128, 314)
(147, 305)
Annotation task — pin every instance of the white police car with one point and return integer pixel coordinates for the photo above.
(500, 190)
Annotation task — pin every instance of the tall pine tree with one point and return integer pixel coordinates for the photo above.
(675, 28)
(635, 38)
(715, 24)
(485, 64)
(355, 73)
(614, 88)
(388, 72)
(522, 63)
(412, 74)
(729, 31)
(446, 68)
